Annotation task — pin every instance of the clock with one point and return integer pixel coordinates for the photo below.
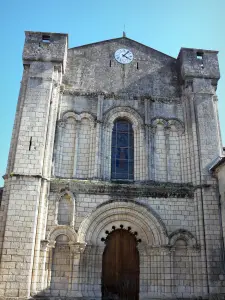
(124, 56)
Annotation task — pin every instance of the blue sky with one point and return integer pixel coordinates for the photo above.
(165, 25)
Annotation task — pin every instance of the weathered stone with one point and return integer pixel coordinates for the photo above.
(60, 205)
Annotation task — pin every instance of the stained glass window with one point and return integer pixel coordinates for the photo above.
(122, 161)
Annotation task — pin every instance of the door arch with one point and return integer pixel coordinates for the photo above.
(120, 266)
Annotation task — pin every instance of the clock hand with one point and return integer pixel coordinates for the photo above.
(125, 54)
(127, 57)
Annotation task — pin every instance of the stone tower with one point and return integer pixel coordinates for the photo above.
(108, 192)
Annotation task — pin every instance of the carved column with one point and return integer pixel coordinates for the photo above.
(172, 251)
(106, 151)
(190, 268)
(97, 163)
(98, 145)
(147, 138)
(76, 249)
(77, 150)
(166, 270)
(143, 269)
(92, 150)
(143, 157)
(152, 147)
(136, 153)
(35, 271)
(167, 150)
(51, 246)
(58, 148)
(43, 271)
(182, 157)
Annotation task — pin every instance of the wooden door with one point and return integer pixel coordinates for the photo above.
(120, 267)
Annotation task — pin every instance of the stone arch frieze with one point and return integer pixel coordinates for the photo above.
(168, 122)
(78, 116)
(69, 114)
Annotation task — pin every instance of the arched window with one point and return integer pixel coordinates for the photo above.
(122, 160)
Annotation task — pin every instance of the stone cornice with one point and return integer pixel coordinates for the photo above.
(127, 190)
(121, 96)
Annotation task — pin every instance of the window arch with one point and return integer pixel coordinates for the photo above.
(122, 155)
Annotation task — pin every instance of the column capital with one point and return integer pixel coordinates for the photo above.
(77, 248)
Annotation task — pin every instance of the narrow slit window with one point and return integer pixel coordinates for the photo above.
(30, 144)
(137, 66)
(122, 158)
(46, 38)
(110, 63)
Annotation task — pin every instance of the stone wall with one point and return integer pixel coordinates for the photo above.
(59, 203)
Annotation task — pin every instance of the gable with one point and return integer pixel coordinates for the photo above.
(92, 68)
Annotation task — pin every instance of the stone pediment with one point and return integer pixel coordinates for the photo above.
(123, 40)
(93, 68)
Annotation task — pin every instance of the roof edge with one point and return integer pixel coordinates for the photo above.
(199, 50)
(115, 39)
(218, 163)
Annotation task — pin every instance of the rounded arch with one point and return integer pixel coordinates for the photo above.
(177, 124)
(122, 112)
(87, 116)
(70, 114)
(182, 234)
(62, 230)
(139, 218)
(159, 121)
(78, 117)
(140, 155)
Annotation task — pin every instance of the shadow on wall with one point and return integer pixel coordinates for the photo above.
(162, 83)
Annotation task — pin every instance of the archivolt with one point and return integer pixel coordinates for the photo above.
(62, 229)
(183, 235)
(122, 112)
(149, 226)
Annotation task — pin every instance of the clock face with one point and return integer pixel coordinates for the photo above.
(124, 56)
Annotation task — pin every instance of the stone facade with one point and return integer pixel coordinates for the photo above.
(59, 202)
(218, 171)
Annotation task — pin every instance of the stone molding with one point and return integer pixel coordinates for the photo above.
(136, 189)
(74, 92)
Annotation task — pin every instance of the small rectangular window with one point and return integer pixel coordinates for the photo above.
(45, 38)
(199, 55)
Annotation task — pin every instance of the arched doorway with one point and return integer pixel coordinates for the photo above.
(120, 266)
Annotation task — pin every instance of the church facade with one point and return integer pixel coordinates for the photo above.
(108, 192)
